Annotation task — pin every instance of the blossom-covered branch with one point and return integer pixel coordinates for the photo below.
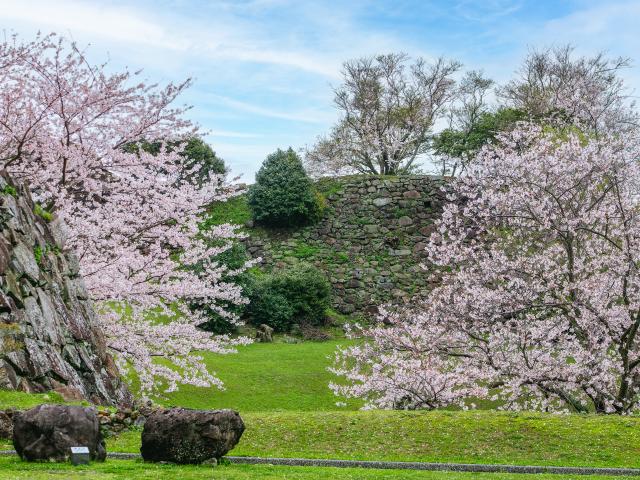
(541, 305)
(133, 222)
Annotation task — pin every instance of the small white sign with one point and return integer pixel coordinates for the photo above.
(79, 449)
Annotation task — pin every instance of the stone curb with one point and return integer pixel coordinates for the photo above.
(456, 467)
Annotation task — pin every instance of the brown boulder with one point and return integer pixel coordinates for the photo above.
(47, 433)
(181, 435)
(6, 425)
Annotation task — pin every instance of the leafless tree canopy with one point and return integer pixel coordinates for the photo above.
(470, 104)
(388, 108)
(582, 90)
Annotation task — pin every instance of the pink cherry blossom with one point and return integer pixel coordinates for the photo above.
(63, 125)
(538, 305)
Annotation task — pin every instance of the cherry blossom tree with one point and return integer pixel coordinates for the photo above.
(539, 302)
(133, 224)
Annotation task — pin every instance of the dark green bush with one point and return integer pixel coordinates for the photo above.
(200, 157)
(283, 195)
(300, 295)
(199, 161)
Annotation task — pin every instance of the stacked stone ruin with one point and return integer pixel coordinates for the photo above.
(371, 243)
(49, 334)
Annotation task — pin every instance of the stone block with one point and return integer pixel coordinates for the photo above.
(382, 201)
(405, 221)
(411, 194)
(47, 433)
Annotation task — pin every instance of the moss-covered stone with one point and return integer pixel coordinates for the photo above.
(370, 242)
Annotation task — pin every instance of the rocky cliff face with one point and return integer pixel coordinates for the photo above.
(370, 244)
(49, 338)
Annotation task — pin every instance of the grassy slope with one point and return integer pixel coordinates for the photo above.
(14, 469)
(10, 399)
(268, 377)
(235, 210)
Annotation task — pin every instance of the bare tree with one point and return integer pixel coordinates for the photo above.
(459, 142)
(578, 90)
(388, 109)
(472, 99)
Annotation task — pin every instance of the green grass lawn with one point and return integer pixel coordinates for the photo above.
(281, 392)
(459, 437)
(14, 469)
(10, 399)
(268, 377)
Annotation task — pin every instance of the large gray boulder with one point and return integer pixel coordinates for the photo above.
(47, 433)
(181, 435)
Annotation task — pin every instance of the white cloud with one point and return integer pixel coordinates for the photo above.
(116, 23)
(227, 37)
(307, 116)
(487, 10)
(231, 134)
(302, 61)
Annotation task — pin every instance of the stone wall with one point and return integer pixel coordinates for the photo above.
(49, 336)
(371, 243)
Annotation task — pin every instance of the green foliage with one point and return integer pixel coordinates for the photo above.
(42, 213)
(464, 144)
(200, 162)
(341, 257)
(200, 157)
(400, 212)
(270, 306)
(303, 251)
(283, 299)
(283, 195)
(38, 252)
(328, 186)
(233, 258)
(10, 190)
(234, 210)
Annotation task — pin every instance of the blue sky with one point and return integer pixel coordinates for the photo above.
(264, 69)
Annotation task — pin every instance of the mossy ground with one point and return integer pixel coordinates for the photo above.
(21, 400)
